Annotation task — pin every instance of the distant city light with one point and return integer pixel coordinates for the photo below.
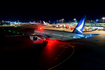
(103, 17)
(62, 19)
(74, 18)
(97, 20)
(49, 21)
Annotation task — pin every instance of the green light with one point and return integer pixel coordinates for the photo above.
(4, 30)
(13, 31)
(15, 26)
(17, 32)
(23, 33)
(9, 30)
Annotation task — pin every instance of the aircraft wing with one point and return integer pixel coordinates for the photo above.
(25, 35)
(16, 35)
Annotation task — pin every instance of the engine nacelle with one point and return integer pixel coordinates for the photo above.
(33, 38)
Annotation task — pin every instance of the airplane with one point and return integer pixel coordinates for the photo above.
(69, 27)
(60, 25)
(47, 24)
(44, 34)
(44, 23)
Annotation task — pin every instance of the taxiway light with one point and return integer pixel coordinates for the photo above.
(17, 32)
(9, 30)
(13, 31)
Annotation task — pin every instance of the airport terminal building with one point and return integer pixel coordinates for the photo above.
(95, 24)
(90, 25)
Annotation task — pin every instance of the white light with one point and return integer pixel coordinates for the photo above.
(74, 18)
(62, 19)
(103, 17)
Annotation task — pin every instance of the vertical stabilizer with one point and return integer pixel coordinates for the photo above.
(44, 22)
(80, 26)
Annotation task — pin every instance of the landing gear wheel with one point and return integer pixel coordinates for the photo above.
(45, 42)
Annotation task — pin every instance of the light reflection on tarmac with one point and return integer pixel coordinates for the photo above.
(89, 53)
(55, 54)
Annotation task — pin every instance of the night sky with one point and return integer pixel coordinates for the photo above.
(53, 10)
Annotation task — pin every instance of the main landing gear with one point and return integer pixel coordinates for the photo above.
(45, 42)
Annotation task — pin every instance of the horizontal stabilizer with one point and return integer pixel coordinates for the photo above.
(90, 35)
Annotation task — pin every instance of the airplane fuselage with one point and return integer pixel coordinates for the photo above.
(63, 35)
(59, 35)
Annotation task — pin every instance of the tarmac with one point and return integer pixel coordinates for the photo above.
(82, 54)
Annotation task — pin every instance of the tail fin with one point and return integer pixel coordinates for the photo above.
(79, 28)
(65, 24)
(44, 23)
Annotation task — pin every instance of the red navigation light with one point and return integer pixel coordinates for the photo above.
(40, 28)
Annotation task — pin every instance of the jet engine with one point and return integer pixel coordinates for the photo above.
(34, 38)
